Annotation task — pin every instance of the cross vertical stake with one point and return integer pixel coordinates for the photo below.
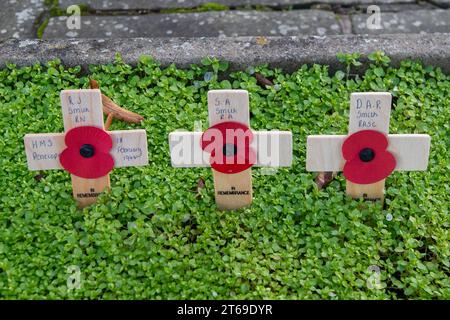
(84, 108)
(232, 191)
(369, 111)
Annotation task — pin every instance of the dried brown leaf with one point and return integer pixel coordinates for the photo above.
(93, 84)
(263, 80)
(39, 176)
(119, 113)
(110, 107)
(323, 179)
(200, 184)
(261, 41)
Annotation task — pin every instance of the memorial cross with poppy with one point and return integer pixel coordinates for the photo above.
(86, 150)
(231, 148)
(369, 154)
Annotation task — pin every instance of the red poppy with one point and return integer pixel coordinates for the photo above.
(87, 153)
(368, 160)
(229, 145)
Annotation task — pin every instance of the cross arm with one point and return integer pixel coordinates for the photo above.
(273, 149)
(323, 153)
(185, 150)
(42, 150)
(411, 151)
(129, 148)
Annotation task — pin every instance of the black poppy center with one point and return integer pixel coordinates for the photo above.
(366, 154)
(87, 151)
(229, 149)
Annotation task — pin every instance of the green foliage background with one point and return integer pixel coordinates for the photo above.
(155, 236)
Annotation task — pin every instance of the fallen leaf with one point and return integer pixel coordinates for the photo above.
(200, 185)
(263, 80)
(39, 176)
(323, 179)
(261, 41)
(119, 113)
(93, 84)
(110, 107)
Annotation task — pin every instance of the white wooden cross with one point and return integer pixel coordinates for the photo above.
(84, 108)
(368, 111)
(272, 148)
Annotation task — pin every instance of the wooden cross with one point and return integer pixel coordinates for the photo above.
(83, 108)
(368, 111)
(230, 109)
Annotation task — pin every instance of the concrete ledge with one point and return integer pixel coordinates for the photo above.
(204, 24)
(170, 4)
(287, 53)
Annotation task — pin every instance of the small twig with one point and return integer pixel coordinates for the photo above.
(110, 107)
(109, 120)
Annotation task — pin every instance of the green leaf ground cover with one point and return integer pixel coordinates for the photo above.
(154, 236)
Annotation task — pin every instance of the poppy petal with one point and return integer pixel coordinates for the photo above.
(363, 139)
(229, 135)
(234, 164)
(89, 168)
(368, 161)
(95, 143)
(94, 136)
(376, 170)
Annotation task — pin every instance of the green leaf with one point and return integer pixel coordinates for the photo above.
(379, 72)
(339, 75)
(206, 61)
